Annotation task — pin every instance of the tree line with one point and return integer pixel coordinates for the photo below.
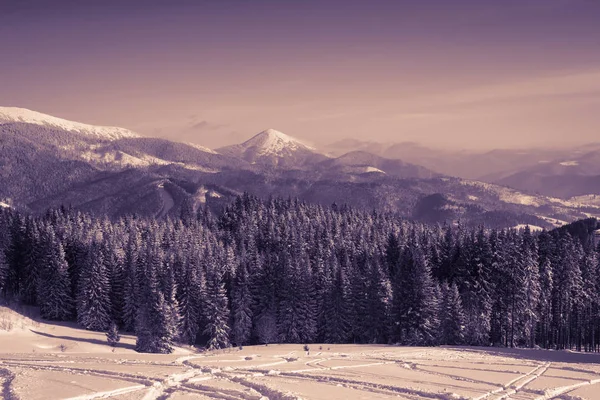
(266, 271)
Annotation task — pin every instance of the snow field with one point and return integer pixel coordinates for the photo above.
(287, 372)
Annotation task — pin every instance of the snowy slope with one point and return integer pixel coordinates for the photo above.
(23, 115)
(273, 147)
(272, 142)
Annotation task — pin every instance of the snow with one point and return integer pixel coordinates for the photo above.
(569, 163)
(274, 142)
(120, 158)
(505, 194)
(513, 196)
(15, 114)
(201, 148)
(87, 368)
(555, 222)
(373, 169)
(532, 228)
(586, 200)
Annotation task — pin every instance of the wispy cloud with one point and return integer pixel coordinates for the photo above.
(572, 84)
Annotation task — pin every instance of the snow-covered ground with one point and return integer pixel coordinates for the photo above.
(60, 361)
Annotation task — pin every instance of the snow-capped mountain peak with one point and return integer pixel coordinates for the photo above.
(272, 141)
(16, 114)
(272, 147)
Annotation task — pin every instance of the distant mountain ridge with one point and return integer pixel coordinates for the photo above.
(43, 165)
(23, 115)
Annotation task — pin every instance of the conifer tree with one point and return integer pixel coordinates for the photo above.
(3, 270)
(130, 282)
(93, 301)
(112, 336)
(190, 303)
(452, 316)
(336, 309)
(241, 306)
(216, 311)
(155, 328)
(55, 300)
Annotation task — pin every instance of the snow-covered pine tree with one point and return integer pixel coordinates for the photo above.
(452, 316)
(93, 300)
(3, 270)
(114, 269)
(190, 299)
(130, 282)
(155, 327)
(216, 310)
(112, 336)
(16, 254)
(473, 278)
(32, 262)
(55, 300)
(336, 311)
(377, 302)
(241, 307)
(530, 288)
(168, 286)
(588, 309)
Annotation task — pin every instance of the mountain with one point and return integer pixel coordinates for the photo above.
(574, 173)
(468, 164)
(362, 162)
(274, 148)
(44, 165)
(23, 115)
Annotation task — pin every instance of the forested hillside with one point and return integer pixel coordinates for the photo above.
(287, 271)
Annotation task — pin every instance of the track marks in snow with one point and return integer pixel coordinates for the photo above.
(110, 393)
(6, 377)
(552, 393)
(515, 385)
(158, 390)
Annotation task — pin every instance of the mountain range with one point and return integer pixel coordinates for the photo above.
(48, 162)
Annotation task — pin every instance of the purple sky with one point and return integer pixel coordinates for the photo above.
(461, 73)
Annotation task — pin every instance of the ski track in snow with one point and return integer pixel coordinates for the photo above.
(109, 393)
(246, 381)
(552, 393)
(515, 385)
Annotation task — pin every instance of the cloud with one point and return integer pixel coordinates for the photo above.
(206, 126)
(574, 84)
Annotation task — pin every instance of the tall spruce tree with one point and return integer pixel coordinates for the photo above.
(155, 328)
(3, 270)
(452, 322)
(216, 311)
(55, 299)
(93, 300)
(190, 299)
(241, 307)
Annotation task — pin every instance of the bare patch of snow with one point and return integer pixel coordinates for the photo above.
(532, 228)
(373, 169)
(569, 163)
(201, 148)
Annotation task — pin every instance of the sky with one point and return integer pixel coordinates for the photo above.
(463, 74)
